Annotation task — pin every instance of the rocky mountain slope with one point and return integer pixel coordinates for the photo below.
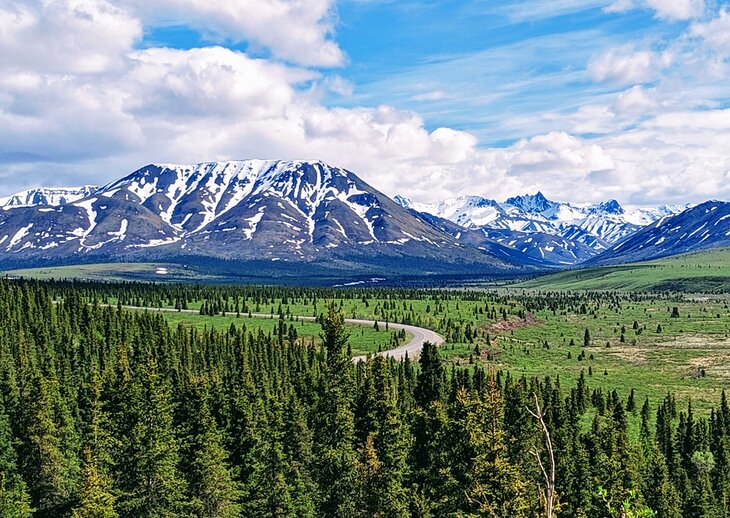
(294, 215)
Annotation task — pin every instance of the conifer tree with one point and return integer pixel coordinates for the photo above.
(430, 382)
(14, 498)
(146, 466)
(50, 466)
(494, 484)
(212, 488)
(96, 494)
(96, 501)
(335, 460)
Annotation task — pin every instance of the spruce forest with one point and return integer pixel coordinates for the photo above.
(533, 406)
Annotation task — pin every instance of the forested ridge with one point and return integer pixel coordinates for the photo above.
(107, 412)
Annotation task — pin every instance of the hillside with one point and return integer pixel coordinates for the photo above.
(706, 271)
(705, 226)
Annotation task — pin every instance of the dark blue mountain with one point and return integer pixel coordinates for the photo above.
(702, 227)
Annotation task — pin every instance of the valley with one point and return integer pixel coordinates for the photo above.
(635, 343)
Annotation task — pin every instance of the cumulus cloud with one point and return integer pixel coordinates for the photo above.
(208, 82)
(79, 103)
(65, 36)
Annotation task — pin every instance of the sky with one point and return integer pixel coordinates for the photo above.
(584, 100)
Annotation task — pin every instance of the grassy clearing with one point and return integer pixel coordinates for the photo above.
(688, 355)
(697, 272)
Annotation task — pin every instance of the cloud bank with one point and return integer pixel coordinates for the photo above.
(81, 101)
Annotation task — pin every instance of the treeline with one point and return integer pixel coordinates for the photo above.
(106, 412)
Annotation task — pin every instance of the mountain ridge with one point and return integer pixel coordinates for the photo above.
(309, 212)
(557, 232)
(701, 227)
(244, 210)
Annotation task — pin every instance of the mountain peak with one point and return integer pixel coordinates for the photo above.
(532, 203)
(610, 207)
(244, 210)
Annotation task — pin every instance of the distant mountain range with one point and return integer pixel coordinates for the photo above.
(559, 233)
(52, 196)
(304, 217)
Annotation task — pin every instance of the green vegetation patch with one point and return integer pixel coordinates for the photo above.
(700, 272)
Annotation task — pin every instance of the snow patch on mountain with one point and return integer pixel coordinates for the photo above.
(52, 196)
(606, 222)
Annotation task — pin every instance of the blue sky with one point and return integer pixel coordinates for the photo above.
(582, 99)
(470, 65)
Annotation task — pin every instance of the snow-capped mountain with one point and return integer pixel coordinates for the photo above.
(238, 210)
(704, 226)
(53, 196)
(307, 212)
(578, 232)
(609, 222)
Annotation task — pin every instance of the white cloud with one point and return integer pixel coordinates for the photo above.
(434, 95)
(715, 32)
(635, 101)
(677, 9)
(80, 106)
(208, 82)
(664, 9)
(298, 31)
(65, 36)
(625, 66)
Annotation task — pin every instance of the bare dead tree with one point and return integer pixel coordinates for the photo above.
(549, 493)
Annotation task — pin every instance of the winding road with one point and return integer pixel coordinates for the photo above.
(412, 348)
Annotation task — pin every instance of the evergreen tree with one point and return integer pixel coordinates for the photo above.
(146, 468)
(213, 491)
(14, 499)
(335, 460)
(430, 383)
(96, 494)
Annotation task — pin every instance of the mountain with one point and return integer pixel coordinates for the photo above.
(701, 227)
(555, 232)
(479, 239)
(47, 196)
(292, 212)
(608, 222)
(533, 204)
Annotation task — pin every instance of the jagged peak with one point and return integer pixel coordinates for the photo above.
(531, 202)
(610, 207)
